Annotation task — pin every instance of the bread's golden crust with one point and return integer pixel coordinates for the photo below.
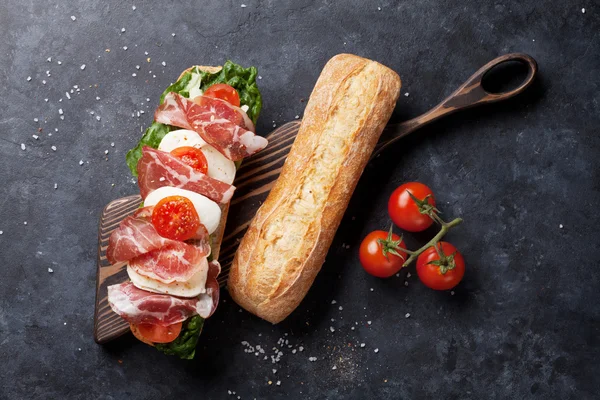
(286, 243)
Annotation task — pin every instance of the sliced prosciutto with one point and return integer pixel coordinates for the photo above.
(212, 285)
(138, 306)
(225, 127)
(136, 236)
(157, 169)
(177, 262)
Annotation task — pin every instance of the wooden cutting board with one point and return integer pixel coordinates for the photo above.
(256, 177)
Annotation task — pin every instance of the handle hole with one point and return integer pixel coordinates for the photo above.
(505, 77)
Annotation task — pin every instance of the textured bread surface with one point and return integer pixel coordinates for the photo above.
(288, 239)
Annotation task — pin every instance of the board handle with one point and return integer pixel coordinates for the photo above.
(469, 94)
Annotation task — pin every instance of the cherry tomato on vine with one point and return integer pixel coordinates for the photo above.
(412, 214)
(175, 217)
(381, 253)
(441, 267)
(224, 92)
(193, 157)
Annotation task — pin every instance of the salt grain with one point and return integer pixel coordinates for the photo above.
(164, 64)
(98, 117)
(112, 144)
(50, 270)
(341, 308)
(49, 59)
(122, 29)
(134, 74)
(43, 81)
(59, 62)
(56, 186)
(312, 359)
(105, 151)
(35, 120)
(362, 345)
(53, 148)
(583, 10)
(25, 223)
(73, 18)
(1, 232)
(371, 289)
(60, 111)
(452, 292)
(97, 98)
(80, 162)
(406, 94)
(243, 5)
(68, 95)
(278, 383)
(82, 67)
(333, 301)
(369, 322)
(28, 78)
(405, 283)
(376, 350)
(332, 329)
(407, 315)
(137, 67)
(36, 137)
(124, 47)
(22, 146)
(560, 226)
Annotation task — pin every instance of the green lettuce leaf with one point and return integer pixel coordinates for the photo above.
(151, 138)
(185, 345)
(242, 79)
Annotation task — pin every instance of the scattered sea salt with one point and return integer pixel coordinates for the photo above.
(35, 120)
(407, 315)
(164, 64)
(73, 18)
(369, 322)
(332, 329)
(583, 10)
(312, 359)
(452, 292)
(80, 162)
(36, 137)
(560, 226)
(49, 59)
(68, 95)
(98, 117)
(53, 148)
(122, 29)
(51, 271)
(362, 345)
(60, 111)
(105, 151)
(112, 144)
(56, 186)
(376, 350)
(406, 94)
(134, 74)
(28, 78)
(133, 8)
(82, 67)
(333, 301)
(124, 47)
(22, 146)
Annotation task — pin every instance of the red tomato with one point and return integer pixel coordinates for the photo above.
(156, 333)
(406, 212)
(441, 273)
(192, 157)
(224, 92)
(381, 253)
(175, 217)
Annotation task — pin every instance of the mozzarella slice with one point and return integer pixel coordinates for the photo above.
(219, 167)
(180, 138)
(193, 287)
(208, 211)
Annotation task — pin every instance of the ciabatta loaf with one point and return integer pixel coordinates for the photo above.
(286, 243)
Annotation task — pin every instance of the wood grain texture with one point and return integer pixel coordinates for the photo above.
(257, 175)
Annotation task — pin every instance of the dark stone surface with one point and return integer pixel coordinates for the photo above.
(524, 323)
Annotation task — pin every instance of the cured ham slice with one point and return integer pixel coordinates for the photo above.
(212, 285)
(225, 127)
(137, 306)
(136, 236)
(177, 262)
(157, 169)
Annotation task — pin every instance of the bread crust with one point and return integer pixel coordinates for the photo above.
(288, 239)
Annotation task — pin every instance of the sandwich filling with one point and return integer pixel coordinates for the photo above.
(185, 178)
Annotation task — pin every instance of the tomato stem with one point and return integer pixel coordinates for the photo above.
(446, 226)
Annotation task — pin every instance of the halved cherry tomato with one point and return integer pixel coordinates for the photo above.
(381, 253)
(441, 267)
(175, 217)
(406, 212)
(156, 333)
(192, 156)
(224, 92)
